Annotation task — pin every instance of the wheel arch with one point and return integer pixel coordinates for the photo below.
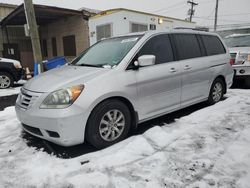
(127, 102)
(224, 82)
(3, 69)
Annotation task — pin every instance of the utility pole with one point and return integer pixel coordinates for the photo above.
(33, 32)
(191, 11)
(216, 15)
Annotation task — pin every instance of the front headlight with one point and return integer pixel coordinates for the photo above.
(17, 65)
(62, 98)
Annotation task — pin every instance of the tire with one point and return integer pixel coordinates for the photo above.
(102, 129)
(6, 80)
(247, 82)
(216, 92)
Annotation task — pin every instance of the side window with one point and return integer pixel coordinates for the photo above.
(213, 45)
(160, 47)
(187, 46)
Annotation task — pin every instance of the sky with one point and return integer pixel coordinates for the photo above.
(230, 11)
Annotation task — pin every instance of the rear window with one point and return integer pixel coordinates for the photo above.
(213, 45)
(187, 46)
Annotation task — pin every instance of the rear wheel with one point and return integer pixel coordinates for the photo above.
(6, 80)
(216, 91)
(108, 124)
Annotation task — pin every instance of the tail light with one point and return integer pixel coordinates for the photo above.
(232, 61)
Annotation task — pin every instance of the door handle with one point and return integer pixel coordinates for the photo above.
(172, 70)
(187, 67)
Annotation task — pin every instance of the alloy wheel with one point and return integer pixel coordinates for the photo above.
(217, 92)
(4, 82)
(112, 125)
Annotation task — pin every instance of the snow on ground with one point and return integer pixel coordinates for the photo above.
(12, 91)
(208, 148)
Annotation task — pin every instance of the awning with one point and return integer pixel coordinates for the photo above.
(44, 15)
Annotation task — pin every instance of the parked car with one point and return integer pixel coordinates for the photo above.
(239, 48)
(10, 71)
(122, 81)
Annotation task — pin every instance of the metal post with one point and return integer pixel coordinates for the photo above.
(33, 31)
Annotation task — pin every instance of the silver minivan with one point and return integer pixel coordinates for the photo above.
(122, 81)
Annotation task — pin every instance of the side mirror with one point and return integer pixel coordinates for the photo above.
(146, 60)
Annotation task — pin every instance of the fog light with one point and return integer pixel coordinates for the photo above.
(242, 71)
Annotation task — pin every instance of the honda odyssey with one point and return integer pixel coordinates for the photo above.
(122, 81)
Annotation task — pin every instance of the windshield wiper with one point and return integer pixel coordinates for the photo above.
(240, 46)
(89, 65)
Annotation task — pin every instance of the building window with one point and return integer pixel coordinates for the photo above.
(69, 45)
(135, 27)
(103, 31)
(152, 27)
(54, 47)
(44, 48)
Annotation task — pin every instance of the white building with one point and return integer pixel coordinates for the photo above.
(120, 21)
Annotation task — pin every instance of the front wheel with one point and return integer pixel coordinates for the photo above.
(216, 91)
(108, 124)
(6, 80)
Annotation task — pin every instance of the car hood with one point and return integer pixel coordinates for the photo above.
(239, 49)
(8, 60)
(62, 77)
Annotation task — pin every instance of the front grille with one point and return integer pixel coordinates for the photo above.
(32, 130)
(26, 98)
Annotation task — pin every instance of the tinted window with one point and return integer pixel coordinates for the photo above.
(160, 47)
(213, 45)
(187, 46)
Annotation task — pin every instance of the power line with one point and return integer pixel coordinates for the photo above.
(234, 14)
(191, 10)
(208, 17)
(232, 25)
(169, 7)
(174, 9)
(197, 17)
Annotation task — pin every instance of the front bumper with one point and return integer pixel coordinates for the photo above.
(61, 126)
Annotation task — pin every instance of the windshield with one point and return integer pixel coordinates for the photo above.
(238, 41)
(107, 53)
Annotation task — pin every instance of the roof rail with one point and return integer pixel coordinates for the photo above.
(196, 29)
